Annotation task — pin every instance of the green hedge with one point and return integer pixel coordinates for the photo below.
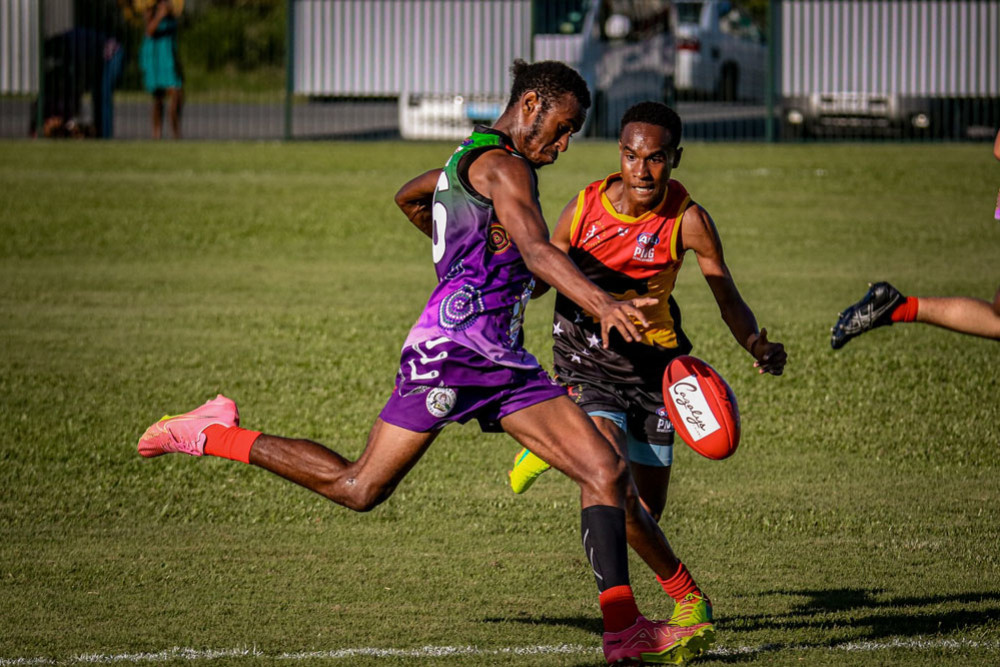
(240, 34)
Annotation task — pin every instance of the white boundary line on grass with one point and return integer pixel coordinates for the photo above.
(918, 644)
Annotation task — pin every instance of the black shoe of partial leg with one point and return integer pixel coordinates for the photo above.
(874, 310)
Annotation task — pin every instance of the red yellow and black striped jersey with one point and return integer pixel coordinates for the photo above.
(627, 257)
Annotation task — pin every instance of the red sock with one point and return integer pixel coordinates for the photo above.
(906, 311)
(619, 609)
(679, 584)
(230, 442)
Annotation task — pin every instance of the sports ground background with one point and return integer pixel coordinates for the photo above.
(857, 524)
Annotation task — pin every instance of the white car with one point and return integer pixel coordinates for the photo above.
(624, 49)
(721, 52)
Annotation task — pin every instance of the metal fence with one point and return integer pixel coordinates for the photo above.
(925, 69)
(423, 69)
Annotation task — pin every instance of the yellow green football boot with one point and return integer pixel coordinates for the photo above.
(693, 612)
(692, 609)
(527, 468)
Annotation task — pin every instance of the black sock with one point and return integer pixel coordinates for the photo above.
(606, 545)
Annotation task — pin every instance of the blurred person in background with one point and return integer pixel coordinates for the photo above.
(78, 61)
(160, 63)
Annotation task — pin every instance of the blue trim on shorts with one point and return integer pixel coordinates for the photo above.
(643, 453)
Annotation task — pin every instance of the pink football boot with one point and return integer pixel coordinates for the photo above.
(653, 642)
(185, 433)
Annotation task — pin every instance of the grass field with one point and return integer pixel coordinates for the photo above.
(859, 523)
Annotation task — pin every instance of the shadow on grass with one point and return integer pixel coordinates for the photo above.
(888, 617)
(590, 624)
(873, 616)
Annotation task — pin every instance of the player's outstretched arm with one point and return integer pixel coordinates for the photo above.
(416, 198)
(560, 239)
(508, 181)
(698, 233)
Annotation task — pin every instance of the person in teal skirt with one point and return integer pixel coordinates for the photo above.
(161, 66)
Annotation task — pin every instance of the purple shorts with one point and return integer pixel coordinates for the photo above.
(440, 381)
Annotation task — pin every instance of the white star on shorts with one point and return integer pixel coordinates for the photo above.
(575, 358)
(593, 340)
(556, 329)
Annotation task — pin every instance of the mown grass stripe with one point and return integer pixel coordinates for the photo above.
(913, 644)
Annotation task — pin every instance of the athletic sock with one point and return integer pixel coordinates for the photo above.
(606, 546)
(230, 442)
(906, 311)
(618, 608)
(679, 584)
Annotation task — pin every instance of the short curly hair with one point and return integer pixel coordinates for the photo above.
(654, 113)
(551, 79)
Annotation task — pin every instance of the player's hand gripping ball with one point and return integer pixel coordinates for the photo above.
(702, 407)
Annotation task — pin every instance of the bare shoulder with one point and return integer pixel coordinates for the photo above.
(498, 160)
(563, 233)
(695, 223)
(497, 170)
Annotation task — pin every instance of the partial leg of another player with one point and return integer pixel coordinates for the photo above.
(962, 314)
(884, 305)
(653, 483)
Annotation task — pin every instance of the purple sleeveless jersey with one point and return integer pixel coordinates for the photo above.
(483, 283)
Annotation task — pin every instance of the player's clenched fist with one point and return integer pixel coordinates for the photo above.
(770, 357)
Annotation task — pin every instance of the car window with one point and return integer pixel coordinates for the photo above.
(738, 23)
(689, 12)
(648, 18)
(564, 17)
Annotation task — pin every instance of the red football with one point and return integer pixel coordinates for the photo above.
(702, 407)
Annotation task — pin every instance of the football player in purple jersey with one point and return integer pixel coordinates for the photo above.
(464, 358)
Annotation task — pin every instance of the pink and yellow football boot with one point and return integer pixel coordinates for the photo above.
(656, 643)
(185, 434)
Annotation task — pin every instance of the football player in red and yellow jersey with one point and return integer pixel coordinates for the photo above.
(629, 234)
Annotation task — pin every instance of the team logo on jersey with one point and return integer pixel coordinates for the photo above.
(457, 269)
(645, 247)
(498, 240)
(441, 401)
(460, 309)
(594, 231)
(622, 231)
(663, 424)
